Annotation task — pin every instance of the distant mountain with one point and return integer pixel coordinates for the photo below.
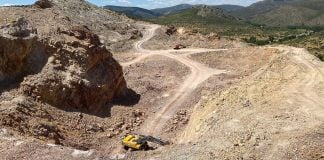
(134, 12)
(229, 8)
(171, 10)
(266, 12)
(141, 13)
(181, 7)
(216, 12)
(284, 12)
(205, 18)
(258, 8)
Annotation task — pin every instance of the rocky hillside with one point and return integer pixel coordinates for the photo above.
(54, 61)
(203, 18)
(145, 14)
(203, 12)
(207, 11)
(229, 8)
(267, 12)
(116, 31)
(134, 12)
(284, 12)
(259, 8)
(241, 116)
(172, 9)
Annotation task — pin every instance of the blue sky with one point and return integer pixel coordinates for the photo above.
(144, 3)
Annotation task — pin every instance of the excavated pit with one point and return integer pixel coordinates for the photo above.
(21, 53)
(67, 69)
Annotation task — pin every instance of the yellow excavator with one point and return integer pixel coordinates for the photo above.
(140, 142)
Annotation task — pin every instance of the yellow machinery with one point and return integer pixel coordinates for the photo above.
(140, 142)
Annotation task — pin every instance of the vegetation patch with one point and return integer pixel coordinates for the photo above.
(309, 37)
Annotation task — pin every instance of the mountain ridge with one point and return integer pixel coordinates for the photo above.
(142, 13)
(134, 12)
(172, 9)
(268, 12)
(284, 12)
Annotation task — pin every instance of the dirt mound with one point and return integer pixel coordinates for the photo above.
(50, 60)
(64, 72)
(171, 30)
(116, 31)
(273, 114)
(168, 37)
(61, 85)
(20, 115)
(44, 4)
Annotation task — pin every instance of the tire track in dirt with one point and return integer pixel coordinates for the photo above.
(148, 34)
(305, 91)
(303, 94)
(199, 73)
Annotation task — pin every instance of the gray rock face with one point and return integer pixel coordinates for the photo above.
(55, 73)
(19, 28)
(17, 44)
(69, 68)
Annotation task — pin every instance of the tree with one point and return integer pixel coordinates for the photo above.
(271, 38)
(252, 39)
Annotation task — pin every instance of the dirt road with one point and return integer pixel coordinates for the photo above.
(199, 73)
(304, 91)
(148, 34)
(282, 120)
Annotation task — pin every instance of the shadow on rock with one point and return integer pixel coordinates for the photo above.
(130, 98)
(7, 85)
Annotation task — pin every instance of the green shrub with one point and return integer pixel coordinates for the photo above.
(319, 55)
(262, 42)
(252, 40)
(271, 38)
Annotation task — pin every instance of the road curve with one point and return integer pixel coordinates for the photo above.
(148, 34)
(199, 73)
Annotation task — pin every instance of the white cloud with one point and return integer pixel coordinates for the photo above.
(124, 1)
(7, 4)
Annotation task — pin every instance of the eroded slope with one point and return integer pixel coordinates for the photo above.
(276, 113)
(54, 68)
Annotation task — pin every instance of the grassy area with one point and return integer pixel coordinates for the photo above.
(307, 37)
(298, 36)
(204, 25)
(314, 43)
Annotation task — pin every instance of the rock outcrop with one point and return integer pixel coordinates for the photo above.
(171, 30)
(17, 43)
(59, 62)
(44, 4)
(58, 79)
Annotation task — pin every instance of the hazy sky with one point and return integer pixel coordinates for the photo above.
(144, 3)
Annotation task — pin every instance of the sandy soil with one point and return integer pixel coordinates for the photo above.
(162, 41)
(275, 113)
(259, 104)
(203, 81)
(199, 73)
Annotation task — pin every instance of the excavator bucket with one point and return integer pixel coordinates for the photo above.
(156, 140)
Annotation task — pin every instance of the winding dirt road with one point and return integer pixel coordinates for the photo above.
(199, 73)
(305, 92)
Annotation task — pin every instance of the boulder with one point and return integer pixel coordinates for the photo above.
(68, 69)
(171, 30)
(44, 4)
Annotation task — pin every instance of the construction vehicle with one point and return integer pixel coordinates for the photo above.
(140, 142)
(179, 46)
